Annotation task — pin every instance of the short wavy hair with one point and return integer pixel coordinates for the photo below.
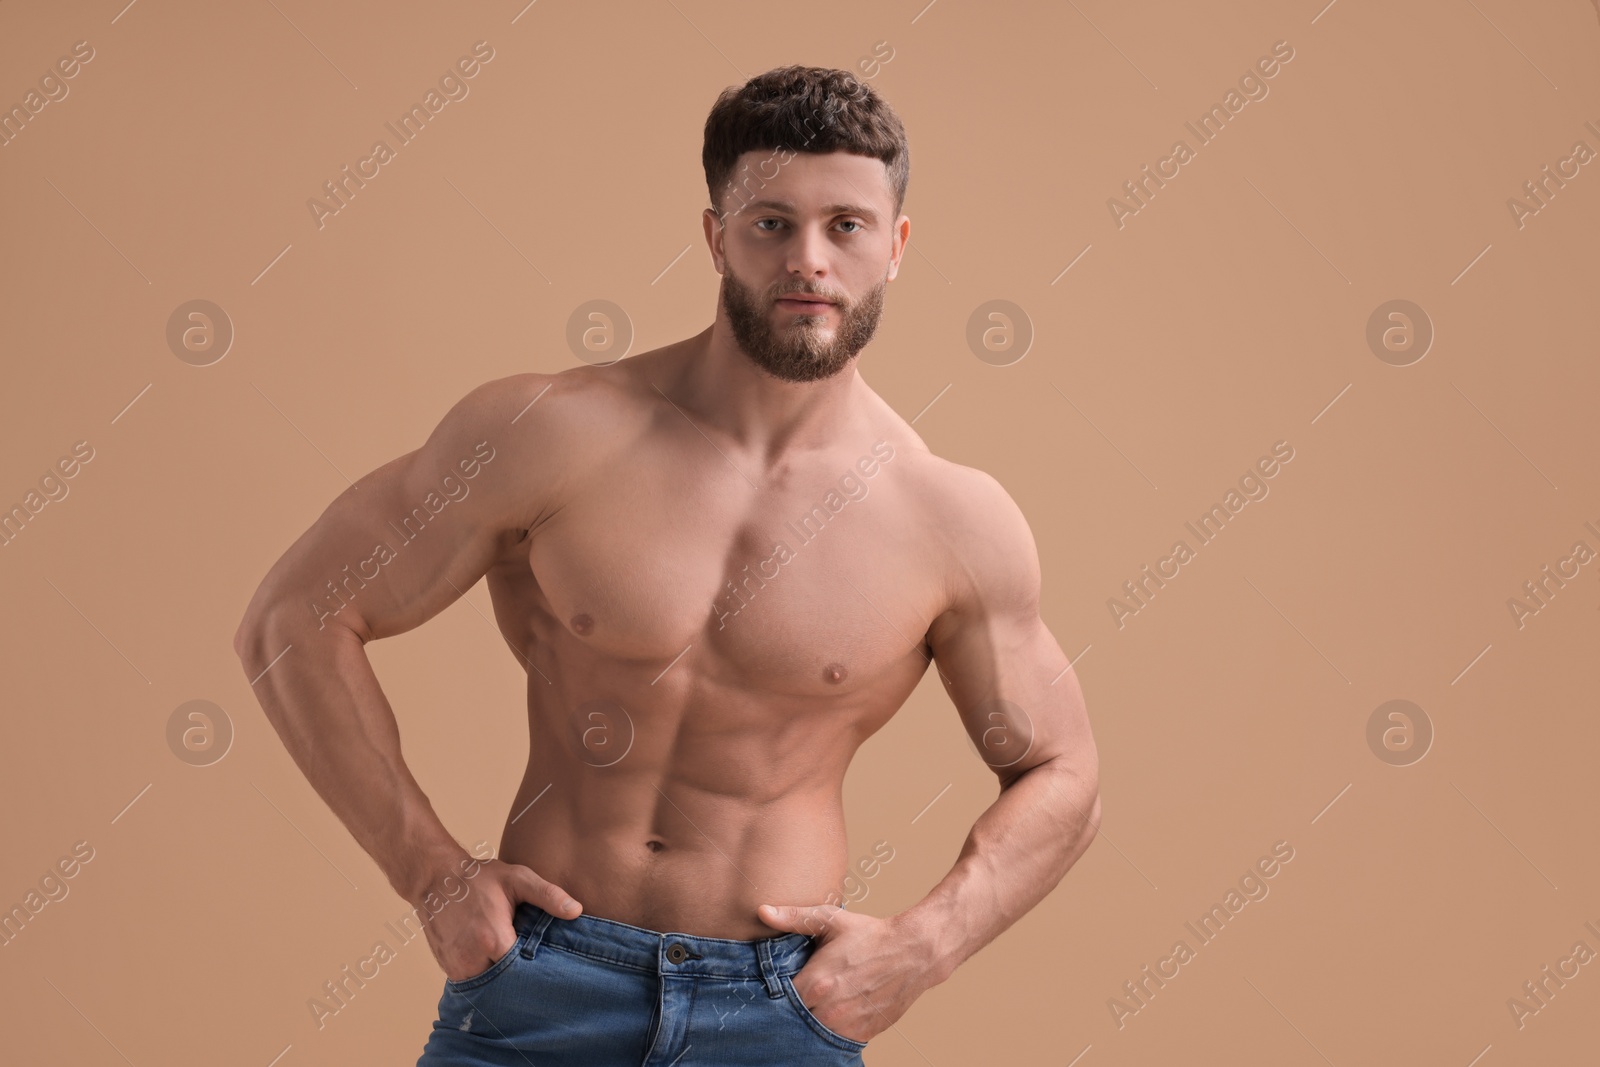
(802, 109)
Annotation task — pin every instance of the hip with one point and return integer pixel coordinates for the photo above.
(591, 991)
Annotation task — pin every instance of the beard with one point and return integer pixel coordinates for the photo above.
(800, 350)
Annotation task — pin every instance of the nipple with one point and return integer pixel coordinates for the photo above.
(834, 673)
(582, 624)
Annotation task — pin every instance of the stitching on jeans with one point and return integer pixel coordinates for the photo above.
(538, 931)
(793, 995)
(495, 968)
(692, 937)
(646, 970)
(661, 1019)
(601, 959)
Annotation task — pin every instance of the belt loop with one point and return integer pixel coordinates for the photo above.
(769, 971)
(541, 922)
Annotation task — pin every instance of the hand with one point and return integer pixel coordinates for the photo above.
(473, 928)
(864, 973)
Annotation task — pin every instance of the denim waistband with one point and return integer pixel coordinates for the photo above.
(664, 952)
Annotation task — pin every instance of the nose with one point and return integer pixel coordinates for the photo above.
(808, 255)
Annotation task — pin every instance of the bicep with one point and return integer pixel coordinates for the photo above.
(1014, 689)
(1011, 683)
(408, 538)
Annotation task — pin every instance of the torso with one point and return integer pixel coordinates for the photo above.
(688, 743)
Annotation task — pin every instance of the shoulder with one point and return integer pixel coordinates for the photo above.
(535, 402)
(549, 430)
(989, 559)
(973, 529)
(566, 416)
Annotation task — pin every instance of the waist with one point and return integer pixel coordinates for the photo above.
(654, 951)
(706, 879)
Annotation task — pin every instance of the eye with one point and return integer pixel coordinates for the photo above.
(760, 221)
(853, 222)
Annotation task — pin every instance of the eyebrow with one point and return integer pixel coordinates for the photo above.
(830, 209)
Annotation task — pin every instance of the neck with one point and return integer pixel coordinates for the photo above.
(721, 388)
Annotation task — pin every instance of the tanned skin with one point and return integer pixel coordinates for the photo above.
(687, 760)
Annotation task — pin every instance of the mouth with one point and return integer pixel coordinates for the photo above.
(804, 303)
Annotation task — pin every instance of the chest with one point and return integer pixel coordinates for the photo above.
(817, 583)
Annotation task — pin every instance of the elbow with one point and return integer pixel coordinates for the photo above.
(1078, 787)
(247, 635)
(240, 640)
(1086, 778)
(1091, 785)
(260, 636)
(248, 645)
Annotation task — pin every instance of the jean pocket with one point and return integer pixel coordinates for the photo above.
(494, 969)
(850, 1044)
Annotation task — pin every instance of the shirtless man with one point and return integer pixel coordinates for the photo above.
(723, 564)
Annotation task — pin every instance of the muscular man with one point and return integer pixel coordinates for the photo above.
(723, 564)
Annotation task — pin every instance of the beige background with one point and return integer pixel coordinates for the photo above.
(1228, 314)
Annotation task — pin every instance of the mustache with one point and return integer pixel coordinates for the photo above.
(821, 293)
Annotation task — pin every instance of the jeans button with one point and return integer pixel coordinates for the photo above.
(677, 953)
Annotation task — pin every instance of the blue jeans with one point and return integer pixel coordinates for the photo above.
(592, 992)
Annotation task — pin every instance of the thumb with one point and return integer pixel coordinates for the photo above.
(811, 920)
(526, 885)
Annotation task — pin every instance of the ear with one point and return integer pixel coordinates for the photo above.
(902, 234)
(714, 230)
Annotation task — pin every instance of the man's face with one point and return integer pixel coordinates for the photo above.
(806, 247)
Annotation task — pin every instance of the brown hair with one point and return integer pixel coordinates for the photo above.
(802, 109)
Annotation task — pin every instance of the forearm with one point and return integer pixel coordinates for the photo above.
(1018, 850)
(324, 700)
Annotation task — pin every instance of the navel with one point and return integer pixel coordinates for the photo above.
(654, 846)
(834, 673)
(582, 625)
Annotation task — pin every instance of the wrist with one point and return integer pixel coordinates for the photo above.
(934, 938)
(434, 872)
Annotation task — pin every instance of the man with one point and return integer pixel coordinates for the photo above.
(724, 564)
